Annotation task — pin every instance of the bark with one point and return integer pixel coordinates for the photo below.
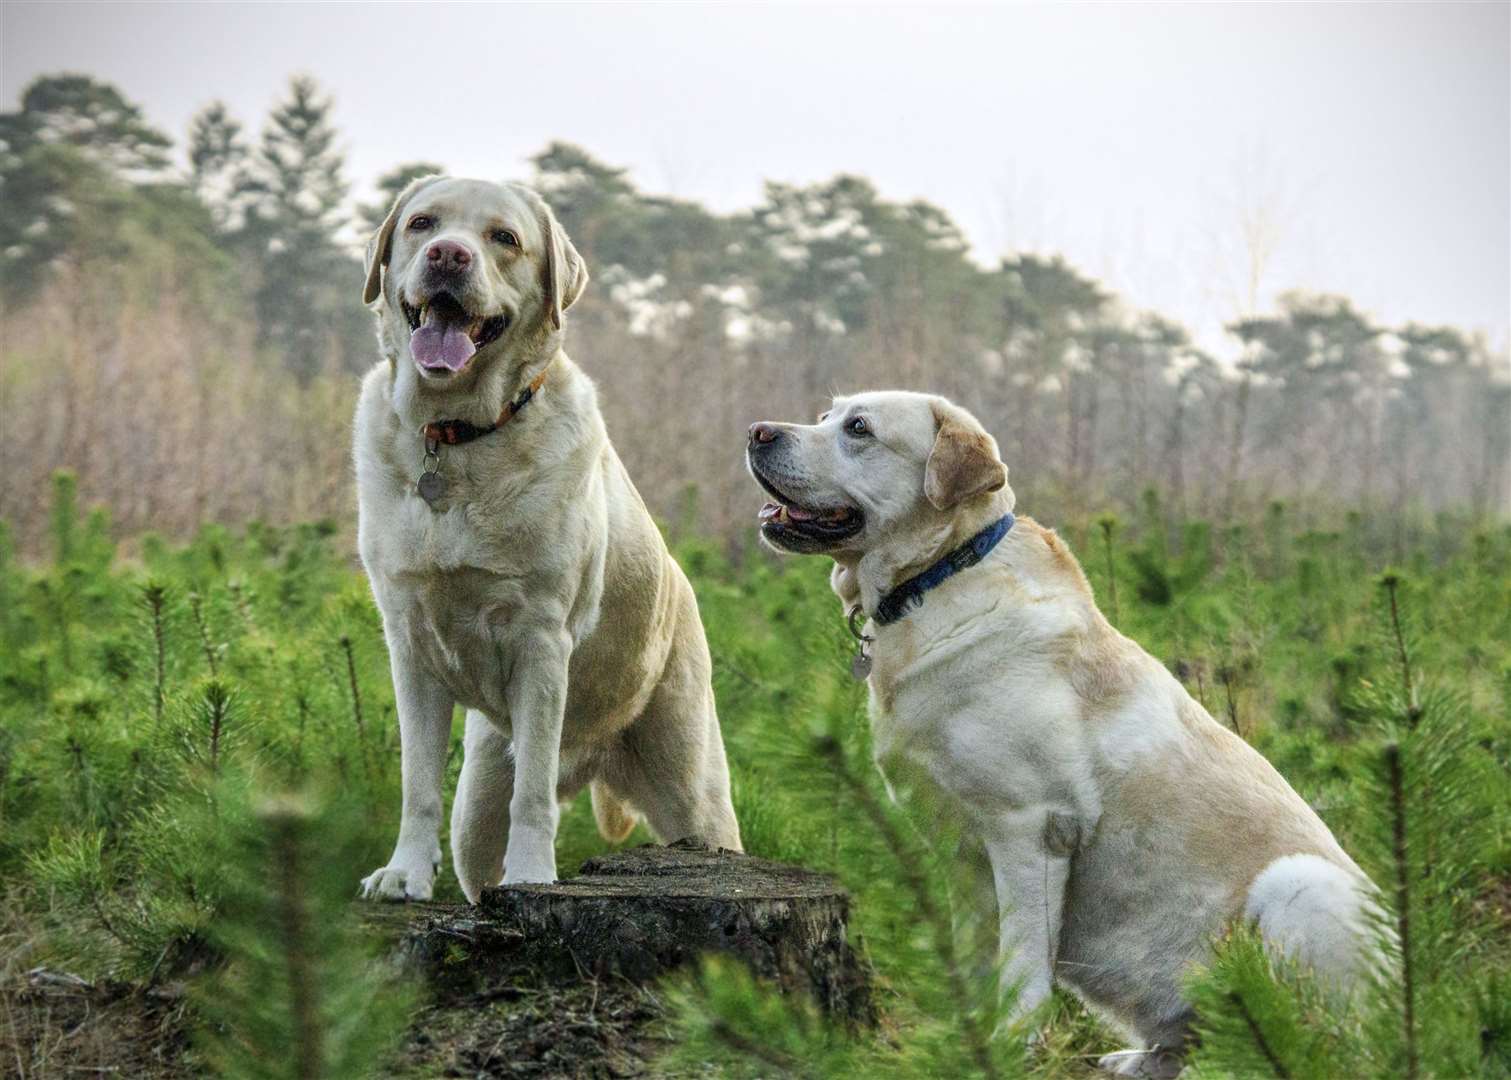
(639, 913)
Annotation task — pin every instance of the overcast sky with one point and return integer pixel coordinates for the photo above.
(1372, 140)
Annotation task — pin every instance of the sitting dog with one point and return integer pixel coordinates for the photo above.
(1123, 826)
(517, 570)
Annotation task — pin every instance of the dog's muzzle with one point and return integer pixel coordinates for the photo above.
(789, 523)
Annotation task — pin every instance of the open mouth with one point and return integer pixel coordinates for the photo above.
(444, 335)
(788, 523)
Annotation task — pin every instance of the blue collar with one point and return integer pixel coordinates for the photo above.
(909, 594)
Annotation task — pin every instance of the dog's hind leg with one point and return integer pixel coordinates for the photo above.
(480, 812)
(669, 764)
(671, 768)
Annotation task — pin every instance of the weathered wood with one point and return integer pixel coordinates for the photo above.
(638, 913)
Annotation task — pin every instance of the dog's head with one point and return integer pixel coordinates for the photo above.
(889, 467)
(466, 267)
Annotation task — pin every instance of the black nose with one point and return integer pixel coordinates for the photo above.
(448, 256)
(762, 433)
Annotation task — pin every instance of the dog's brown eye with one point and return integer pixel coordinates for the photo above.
(858, 426)
(505, 237)
(420, 222)
(823, 416)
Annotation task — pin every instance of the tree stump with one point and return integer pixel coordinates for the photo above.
(639, 913)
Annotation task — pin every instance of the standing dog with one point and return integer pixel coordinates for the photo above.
(1124, 827)
(517, 570)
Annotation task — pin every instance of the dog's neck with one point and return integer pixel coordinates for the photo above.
(869, 578)
(478, 397)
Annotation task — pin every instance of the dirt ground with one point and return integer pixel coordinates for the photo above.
(55, 1025)
(592, 1030)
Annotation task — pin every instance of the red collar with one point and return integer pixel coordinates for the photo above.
(452, 432)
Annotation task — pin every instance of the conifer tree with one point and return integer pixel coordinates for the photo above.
(93, 118)
(218, 157)
(296, 189)
(66, 156)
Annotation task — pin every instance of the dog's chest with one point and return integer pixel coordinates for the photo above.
(404, 537)
(958, 711)
(917, 709)
(483, 518)
(451, 590)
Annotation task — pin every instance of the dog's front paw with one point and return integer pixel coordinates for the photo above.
(529, 873)
(401, 879)
(1155, 1064)
(525, 877)
(531, 856)
(529, 868)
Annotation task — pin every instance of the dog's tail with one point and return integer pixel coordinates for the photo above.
(615, 818)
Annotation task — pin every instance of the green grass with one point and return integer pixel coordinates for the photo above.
(168, 720)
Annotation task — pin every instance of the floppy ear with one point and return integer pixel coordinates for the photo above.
(380, 246)
(566, 273)
(963, 462)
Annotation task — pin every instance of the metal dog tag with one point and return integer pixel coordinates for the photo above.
(431, 486)
(860, 667)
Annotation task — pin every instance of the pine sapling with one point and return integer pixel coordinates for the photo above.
(948, 998)
(978, 1039)
(301, 993)
(1429, 798)
(243, 604)
(210, 723)
(217, 704)
(1242, 1008)
(154, 597)
(1403, 906)
(1391, 582)
(1227, 676)
(1259, 1015)
(196, 606)
(942, 928)
(57, 602)
(72, 868)
(356, 696)
(1108, 524)
(285, 824)
(65, 516)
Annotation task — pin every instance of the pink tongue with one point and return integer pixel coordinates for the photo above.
(438, 345)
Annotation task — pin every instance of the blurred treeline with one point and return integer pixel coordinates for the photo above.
(185, 338)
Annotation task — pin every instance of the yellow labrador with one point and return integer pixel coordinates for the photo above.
(517, 570)
(1124, 827)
